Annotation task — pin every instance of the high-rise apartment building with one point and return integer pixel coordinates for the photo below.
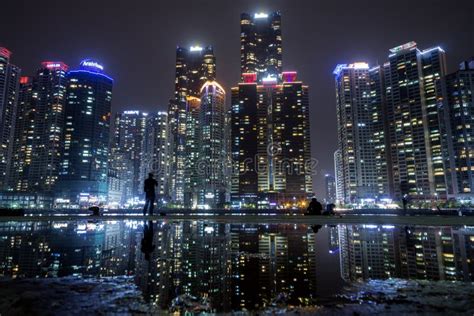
(213, 152)
(458, 105)
(411, 79)
(330, 184)
(155, 157)
(23, 138)
(194, 66)
(9, 83)
(390, 127)
(129, 134)
(270, 141)
(49, 101)
(261, 44)
(361, 134)
(84, 166)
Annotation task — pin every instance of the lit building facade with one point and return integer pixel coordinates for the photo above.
(270, 144)
(194, 66)
(9, 83)
(23, 138)
(156, 153)
(330, 184)
(261, 44)
(213, 153)
(129, 134)
(361, 132)
(412, 77)
(458, 105)
(84, 166)
(49, 101)
(271, 152)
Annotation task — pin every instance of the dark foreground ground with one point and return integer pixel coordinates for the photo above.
(119, 296)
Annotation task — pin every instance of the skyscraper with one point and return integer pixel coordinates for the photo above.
(194, 66)
(9, 83)
(412, 94)
(156, 153)
(84, 166)
(23, 139)
(192, 148)
(339, 176)
(213, 153)
(458, 105)
(128, 139)
(361, 132)
(270, 141)
(330, 188)
(261, 44)
(49, 100)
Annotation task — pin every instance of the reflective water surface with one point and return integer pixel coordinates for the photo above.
(215, 267)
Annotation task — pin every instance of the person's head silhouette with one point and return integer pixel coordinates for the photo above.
(150, 175)
(314, 200)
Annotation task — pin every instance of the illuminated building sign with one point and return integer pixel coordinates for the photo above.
(54, 65)
(403, 47)
(91, 64)
(289, 76)
(131, 112)
(24, 80)
(269, 80)
(249, 77)
(260, 15)
(359, 65)
(195, 49)
(4, 52)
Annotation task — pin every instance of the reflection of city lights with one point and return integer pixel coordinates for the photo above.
(209, 229)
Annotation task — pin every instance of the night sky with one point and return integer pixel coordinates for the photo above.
(136, 41)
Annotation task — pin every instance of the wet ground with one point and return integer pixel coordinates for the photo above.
(130, 267)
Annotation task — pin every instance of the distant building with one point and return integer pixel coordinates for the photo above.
(119, 179)
(391, 128)
(261, 44)
(156, 154)
(84, 166)
(270, 141)
(339, 177)
(330, 184)
(361, 132)
(128, 138)
(458, 105)
(9, 83)
(49, 103)
(213, 153)
(194, 66)
(23, 139)
(412, 77)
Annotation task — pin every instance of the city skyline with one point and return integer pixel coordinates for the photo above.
(302, 24)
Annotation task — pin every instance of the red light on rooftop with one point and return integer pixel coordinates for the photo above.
(24, 80)
(5, 52)
(289, 76)
(249, 77)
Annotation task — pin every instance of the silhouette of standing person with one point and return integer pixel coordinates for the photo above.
(150, 197)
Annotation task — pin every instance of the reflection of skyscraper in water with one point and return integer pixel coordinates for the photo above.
(333, 239)
(281, 258)
(188, 258)
(413, 252)
(367, 251)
